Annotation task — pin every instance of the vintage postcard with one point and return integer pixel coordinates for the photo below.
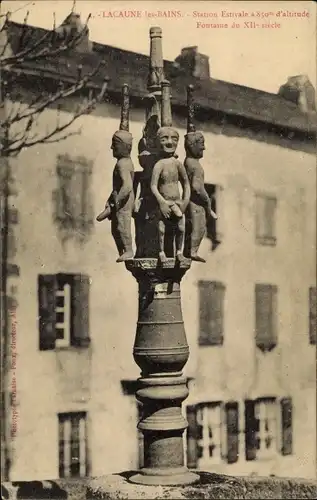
(158, 248)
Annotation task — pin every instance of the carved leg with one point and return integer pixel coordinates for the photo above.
(198, 219)
(124, 231)
(162, 256)
(116, 235)
(179, 239)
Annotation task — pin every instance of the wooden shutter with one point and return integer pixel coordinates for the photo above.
(62, 196)
(287, 426)
(77, 196)
(251, 427)
(269, 217)
(260, 217)
(232, 424)
(211, 300)
(47, 287)
(80, 311)
(192, 436)
(265, 211)
(87, 204)
(312, 315)
(266, 316)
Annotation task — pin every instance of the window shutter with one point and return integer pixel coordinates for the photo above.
(47, 287)
(269, 217)
(211, 298)
(232, 423)
(312, 315)
(80, 311)
(204, 305)
(72, 200)
(265, 219)
(260, 216)
(62, 195)
(88, 208)
(191, 437)
(251, 427)
(78, 196)
(266, 316)
(217, 310)
(287, 426)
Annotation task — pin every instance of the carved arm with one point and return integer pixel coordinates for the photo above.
(183, 178)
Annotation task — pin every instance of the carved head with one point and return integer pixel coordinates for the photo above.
(121, 144)
(167, 140)
(195, 144)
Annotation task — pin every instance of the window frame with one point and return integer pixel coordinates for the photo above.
(265, 238)
(283, 439)
(70, 444)
(65, 197)
(51, 318)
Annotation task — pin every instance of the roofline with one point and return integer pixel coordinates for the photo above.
(309, 129)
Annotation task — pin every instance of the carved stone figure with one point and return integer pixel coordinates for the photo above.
(120, 203)
(166, 175)
(199, 207)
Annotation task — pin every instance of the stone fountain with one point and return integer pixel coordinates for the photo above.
(163, 213)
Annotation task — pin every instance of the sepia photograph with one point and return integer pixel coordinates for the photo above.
(158, 249)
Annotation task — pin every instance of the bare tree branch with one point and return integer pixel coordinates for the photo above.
(24, 141)
(52, 98)
(22, 124)
(44, 47)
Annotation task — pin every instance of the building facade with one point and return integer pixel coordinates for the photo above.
(248, 312)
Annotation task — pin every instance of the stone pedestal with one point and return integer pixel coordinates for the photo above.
(161, 351)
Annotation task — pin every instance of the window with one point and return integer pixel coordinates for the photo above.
(312, 315)
(262, 424)
(265, 210)
(73, 208)
(207, 434)
(212, 434)
(63, 310)
(265, 316)
(215, 227)
(73, 445)
(211, 312)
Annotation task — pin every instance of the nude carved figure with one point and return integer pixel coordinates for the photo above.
(119, 206)
(166, 175)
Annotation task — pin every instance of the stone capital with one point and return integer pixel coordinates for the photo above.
(153, 272)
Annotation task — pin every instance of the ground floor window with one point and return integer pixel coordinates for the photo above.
(73, 444)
